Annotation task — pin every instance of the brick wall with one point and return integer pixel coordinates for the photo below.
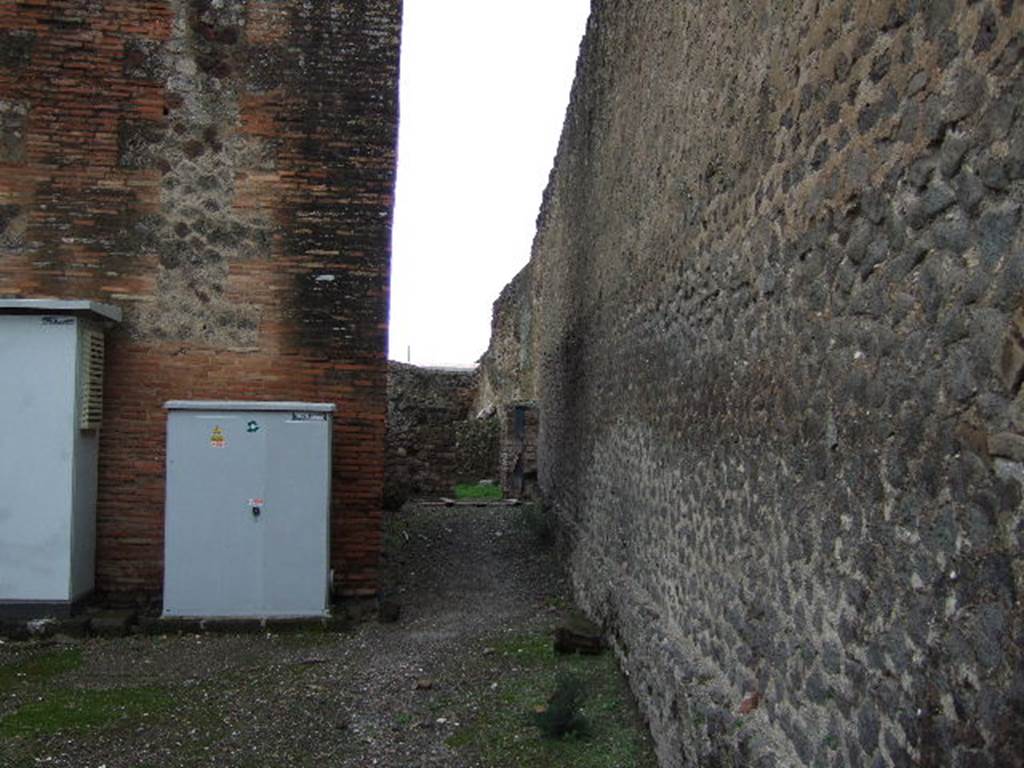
(780, 294)
(224, 173)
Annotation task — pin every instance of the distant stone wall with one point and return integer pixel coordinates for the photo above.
(425, 406)
(508, 386)
(778, 323)
(476, 446)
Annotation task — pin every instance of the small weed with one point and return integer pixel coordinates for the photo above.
(478, 492)
(40, 667)
(504, 735)
(83, 710)
(562, 715)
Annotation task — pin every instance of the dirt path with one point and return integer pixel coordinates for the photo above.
(470, 581)
(466, 578)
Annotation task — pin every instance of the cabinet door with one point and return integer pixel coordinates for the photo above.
(37, 419)
(215, 487)
(295, 522)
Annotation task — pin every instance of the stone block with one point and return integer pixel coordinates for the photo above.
(952, 154)
(993, 173)
(970, 191)
(936, 199)
(987, 32)
(578, 635)
(998, 228)
(1011, 361)
(1007, 445)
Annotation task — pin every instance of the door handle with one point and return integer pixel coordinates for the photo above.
(256, 506)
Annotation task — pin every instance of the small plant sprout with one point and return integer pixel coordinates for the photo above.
(563, 714)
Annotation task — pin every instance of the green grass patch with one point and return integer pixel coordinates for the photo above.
(530, 650)
(505, 733)
(478, 492)
(39, 667)
(84, 710)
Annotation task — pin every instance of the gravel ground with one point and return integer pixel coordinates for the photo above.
(382, 695)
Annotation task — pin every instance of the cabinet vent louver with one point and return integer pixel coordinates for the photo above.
(91, 405)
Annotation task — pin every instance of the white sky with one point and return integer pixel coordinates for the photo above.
(484, 87)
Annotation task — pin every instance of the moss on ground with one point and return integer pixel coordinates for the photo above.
(78, 710)
(39, 667)
(478, 492)
(527, 670)
(48, 707)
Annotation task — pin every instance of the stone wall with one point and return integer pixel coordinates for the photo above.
(506, 368)
(508, 385)
(779, 334)
(425, 408)
(224, 173)
(477, 446)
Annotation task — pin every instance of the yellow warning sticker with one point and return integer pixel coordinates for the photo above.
(217, 439)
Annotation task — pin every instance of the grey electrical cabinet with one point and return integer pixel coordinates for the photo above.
(247, 527)
(51, 390)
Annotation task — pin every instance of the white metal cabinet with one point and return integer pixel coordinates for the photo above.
(247, 531)
(51, 369)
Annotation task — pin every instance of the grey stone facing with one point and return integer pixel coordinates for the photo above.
(781, 403)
